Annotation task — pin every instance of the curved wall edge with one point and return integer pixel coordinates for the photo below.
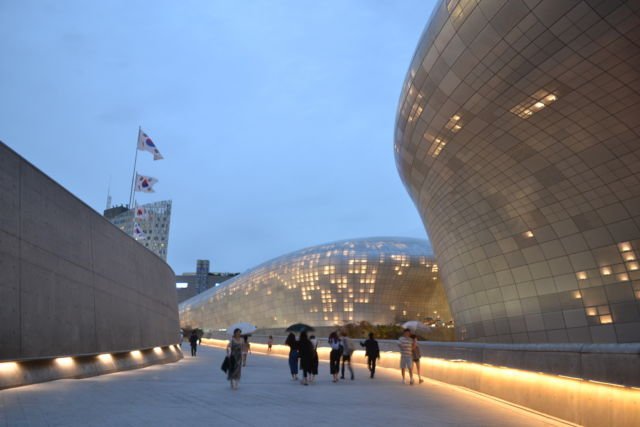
(16, 374)
(71, 283)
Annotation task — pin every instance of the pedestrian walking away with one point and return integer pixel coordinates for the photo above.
(234, 352)
(316, 360)
(334, 356)
(193, 340)
(246, 349)
(306, 357)
(269, 343)
(347, 349)
(415, 356)
(293, 355)
(406, 345)
(372, 352)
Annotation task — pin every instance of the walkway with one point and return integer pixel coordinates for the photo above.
(194, 392)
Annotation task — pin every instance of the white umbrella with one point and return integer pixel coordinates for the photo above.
(245, 328)
(416, 326)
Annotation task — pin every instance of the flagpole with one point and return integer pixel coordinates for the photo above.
(133, 177)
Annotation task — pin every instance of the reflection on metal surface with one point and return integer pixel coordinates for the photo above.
(345, 281)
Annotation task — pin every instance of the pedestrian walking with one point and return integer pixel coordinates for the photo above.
(234, 352)
(306, 357)
(193, 340)
(334, 355)
(293, 355)
(347, 349)
(246, 349)
(269, 343)
(406, 345)
(415, 356)
(316, 360)
(372, 352)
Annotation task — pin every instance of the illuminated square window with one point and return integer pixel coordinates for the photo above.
(606, 319)
(624, 246)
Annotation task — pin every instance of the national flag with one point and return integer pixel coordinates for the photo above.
(146, 144)
(138, 234)
(144, 184)
(140, 212)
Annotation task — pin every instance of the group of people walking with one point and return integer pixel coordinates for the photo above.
(304, 350)
(342, 348)
(303, 356)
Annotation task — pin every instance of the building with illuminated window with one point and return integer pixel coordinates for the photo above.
(378, 280)
(154, 224)
(518, 138)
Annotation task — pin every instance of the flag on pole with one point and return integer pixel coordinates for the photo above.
(144, 184)
(138, 234)
(140, 212)
(146, 144)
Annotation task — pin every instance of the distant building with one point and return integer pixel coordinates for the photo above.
(380, 280)
(154, 223)
(191, 284)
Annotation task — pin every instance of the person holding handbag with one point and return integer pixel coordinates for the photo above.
(234, 352)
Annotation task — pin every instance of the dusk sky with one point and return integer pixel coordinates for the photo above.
(275, 118)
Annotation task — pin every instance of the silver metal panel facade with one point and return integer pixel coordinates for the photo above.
(379, 280)
(517, 137)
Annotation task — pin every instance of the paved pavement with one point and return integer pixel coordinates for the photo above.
(194, 392)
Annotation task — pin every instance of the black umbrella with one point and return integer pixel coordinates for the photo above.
(300, 327)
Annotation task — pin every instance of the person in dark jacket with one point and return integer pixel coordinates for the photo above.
(193, 340)
(316, 360)
(293, 355)
(372, 351)
(305, 350)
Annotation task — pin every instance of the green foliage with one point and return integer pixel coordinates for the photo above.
(391, 332)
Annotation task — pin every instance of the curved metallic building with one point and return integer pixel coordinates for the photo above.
(517, 137)
(380, 280)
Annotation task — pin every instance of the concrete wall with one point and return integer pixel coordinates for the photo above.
(16, 374)
(70, 282)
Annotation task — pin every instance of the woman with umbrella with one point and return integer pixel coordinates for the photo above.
(306, 356)
(234, 352)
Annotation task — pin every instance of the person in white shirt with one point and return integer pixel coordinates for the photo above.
(334, 356)
(406, 344)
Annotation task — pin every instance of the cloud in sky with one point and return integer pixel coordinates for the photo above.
(275, 118)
